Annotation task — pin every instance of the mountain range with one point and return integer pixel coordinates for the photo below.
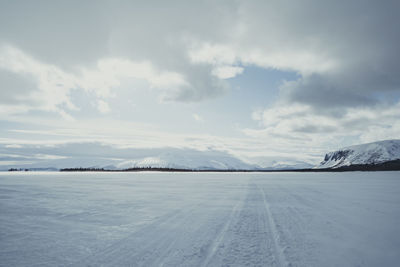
(372, 156)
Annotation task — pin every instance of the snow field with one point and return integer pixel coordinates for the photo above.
(200, 219)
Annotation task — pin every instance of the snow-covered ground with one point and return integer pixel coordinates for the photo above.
(200, 219)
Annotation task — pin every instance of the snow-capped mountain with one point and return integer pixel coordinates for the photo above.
(189, 159)
(289, 166)
(371, 153)
(96, 155)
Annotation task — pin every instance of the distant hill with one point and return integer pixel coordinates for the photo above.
(188, 159)
(100, 156)
(380, 155)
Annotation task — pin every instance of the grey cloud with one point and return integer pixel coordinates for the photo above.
(360, 38)
(202, 86)
(314, 129)
(60, 32)
(14, 89)
(162, 33)
(76, 33)
(325, 94)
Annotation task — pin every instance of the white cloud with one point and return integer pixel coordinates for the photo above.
(215, 54)
(300, 125)
(103, 106)
(54, 85)
(332, 46)
(346, 56)
(198, 118)
(352, 47)
(229, 54)
(226, 72)
(109, 71)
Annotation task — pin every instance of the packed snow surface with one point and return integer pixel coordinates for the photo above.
(200, 219)
(370, 153)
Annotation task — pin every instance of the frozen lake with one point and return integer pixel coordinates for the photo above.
(200, 219)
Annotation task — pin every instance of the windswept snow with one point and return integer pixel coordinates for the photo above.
(200, 219)
(370, 153)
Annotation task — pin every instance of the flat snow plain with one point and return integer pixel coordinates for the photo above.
(200, 219)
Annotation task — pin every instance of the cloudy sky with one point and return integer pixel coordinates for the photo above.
(258, 79)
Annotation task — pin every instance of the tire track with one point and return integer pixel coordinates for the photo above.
(218, 239)
(179, 238)
(278, 250)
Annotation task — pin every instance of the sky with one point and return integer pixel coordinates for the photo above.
(261, 80)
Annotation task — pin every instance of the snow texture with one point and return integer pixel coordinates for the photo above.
(370, 153)
(200, 219)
